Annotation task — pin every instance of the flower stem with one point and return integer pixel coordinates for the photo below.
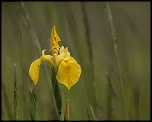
(114, 40)
(57, 91)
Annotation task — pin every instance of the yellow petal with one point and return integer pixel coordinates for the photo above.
(34, 70)
(68, 72)
(54, 39)
(62, 49)
(47, 57)
(35, 66)
(64, 54)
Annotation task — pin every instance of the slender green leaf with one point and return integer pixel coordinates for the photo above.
(92, 113)
(66, 111)
(33, 104)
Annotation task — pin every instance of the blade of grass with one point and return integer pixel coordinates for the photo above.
(5, 103)
(92, 113)
(90, 49)
(88, 115)
(15, 93)
(30, 28)
(111, 94)
(109, 100)
(66, 111)
(83, 53)
(33, 104)
(21, 52)
(38, 46)
(114, 41)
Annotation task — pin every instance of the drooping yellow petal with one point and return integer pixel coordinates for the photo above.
(34, 70)
(35, 66)
(68, 72)
(54, 39)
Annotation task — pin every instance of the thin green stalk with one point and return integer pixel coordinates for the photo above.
(66, 111)
(33, 104)
(15, 93)
(30, 27)
(23, 14)
(88, 115)
(35, 40)
(93, 114)
(109, 100)
(90, 52)
(21, 52)
(114, 40)
(84, 54)
(6, 102)
(57, 91)
(111, 94)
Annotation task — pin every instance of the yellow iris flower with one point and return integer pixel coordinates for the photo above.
(68, 70)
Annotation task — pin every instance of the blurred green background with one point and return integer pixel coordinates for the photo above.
(84, 29)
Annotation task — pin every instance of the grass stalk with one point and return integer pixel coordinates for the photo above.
(88, 115)
(90, 52)
(21, 53)
(33, 104)
(6, 104)
(84, 54)
(92, 113)
(38, 47)
(66, 111)
(114, 41)
(15, 93)
(30, 27)
(23, 15)
(111, 93)
(109, 100)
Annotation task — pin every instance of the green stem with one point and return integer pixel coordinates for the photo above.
(114, 40)
(57, 91)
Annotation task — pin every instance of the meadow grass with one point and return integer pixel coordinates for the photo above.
(115, 45)
(115, 74)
